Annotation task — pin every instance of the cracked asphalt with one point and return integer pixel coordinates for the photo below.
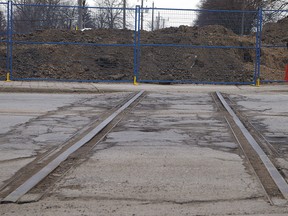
(33, 123)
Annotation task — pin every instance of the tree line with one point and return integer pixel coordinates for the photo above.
(239, 22)
(30, 15)
(30, 18)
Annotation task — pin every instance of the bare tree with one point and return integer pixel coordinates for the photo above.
(111, 14)
(68, 17)
(275, 4)
(88, 20)
(276, 14)
(2, 23)
(85, 21)
(239, 22)
(40, 14)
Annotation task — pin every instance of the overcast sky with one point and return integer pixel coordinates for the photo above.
(190, 4)
(170, 18)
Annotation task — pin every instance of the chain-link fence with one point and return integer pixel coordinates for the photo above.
(199, 46)
(48, 44)
(274, 47)
(112, 44)
(3, 41)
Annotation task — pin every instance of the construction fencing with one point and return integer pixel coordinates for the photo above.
(45, 42)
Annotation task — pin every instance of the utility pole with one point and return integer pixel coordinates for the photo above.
(142, 4)
(153, 6)
(158, 21)
(80, 14)
(124, 14)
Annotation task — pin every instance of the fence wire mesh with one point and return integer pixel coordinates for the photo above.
(274, 47)
(3, 40)
(71, 43)
(48, 44)
(213, 49)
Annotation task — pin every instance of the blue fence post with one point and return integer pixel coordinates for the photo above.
(260, 43)
(136, 45)
(136, 30)
(9, 40)
(258, 47)
(139, 42)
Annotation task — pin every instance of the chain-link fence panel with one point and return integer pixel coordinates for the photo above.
(49, 44)
(199, 46)
(274, 47)
(3, 41)
(72, 43)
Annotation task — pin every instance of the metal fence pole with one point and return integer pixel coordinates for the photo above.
(139, 42)
(7, 35)
(258, 48)
(9, 40)
(136, 33)
(260, 43)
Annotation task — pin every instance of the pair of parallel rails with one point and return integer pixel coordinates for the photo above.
(15, 191)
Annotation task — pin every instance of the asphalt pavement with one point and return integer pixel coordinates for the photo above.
(173, 154)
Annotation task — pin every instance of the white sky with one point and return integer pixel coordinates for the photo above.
(191, 4)
(168, 18)
(185, 4)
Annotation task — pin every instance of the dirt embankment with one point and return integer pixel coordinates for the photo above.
(116, 61)
(276, 33)
(275, 59)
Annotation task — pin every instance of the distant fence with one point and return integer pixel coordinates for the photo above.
(45, 42)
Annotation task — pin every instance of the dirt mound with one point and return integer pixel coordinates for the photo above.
(194, 62)
(276, 33)
(203, 59)
(274, 59)
(90, 36)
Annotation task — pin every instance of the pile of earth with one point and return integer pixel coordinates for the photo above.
(274, 57)
(88, 57)
(276, 33)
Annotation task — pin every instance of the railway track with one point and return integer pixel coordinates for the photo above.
(51, 166)
(268, 175)
(52, 161)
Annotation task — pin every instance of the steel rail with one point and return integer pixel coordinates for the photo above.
(15, 195)
(253, 169)
(274, 173)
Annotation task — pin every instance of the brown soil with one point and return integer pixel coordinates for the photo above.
(78, 62)
(274, 60)
(276, 33)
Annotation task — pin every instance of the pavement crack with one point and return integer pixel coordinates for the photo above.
(16, 159)
(157, 201)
